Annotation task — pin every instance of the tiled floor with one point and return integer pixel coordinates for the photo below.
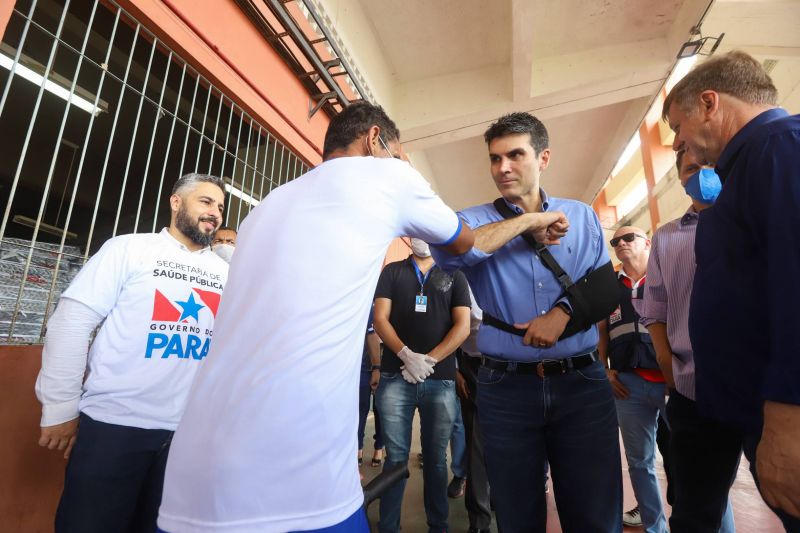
(752, 516)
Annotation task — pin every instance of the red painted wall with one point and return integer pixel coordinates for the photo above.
(30, 477)
(218, 39)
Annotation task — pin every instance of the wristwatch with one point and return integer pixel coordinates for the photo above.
(375, 367)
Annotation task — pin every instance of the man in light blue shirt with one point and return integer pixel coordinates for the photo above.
(541, 398)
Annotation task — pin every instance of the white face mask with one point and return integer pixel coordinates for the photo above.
(420, 248)
(225, 251)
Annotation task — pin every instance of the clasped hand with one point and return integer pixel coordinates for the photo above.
(416, 366)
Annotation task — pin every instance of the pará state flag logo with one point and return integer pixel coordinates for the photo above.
(176, 328)
(181, 310)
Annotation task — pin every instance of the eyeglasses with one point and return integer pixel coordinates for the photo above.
(628, 237)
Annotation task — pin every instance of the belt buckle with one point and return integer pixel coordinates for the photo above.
(559, 364)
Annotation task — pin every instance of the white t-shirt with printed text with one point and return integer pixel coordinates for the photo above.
(160, 301)
(268, 440)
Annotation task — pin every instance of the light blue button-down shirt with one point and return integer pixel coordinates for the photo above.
(513, 285)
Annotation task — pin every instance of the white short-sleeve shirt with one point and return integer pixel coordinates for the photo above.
(268, 439)
(159, 300)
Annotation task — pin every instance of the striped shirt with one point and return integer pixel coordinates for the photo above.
(670, 273)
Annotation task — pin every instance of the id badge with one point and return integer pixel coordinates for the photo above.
(421, 304)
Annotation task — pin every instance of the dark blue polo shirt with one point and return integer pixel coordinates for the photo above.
(744, 321)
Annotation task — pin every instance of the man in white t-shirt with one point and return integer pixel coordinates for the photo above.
(156, 295)
(266, 443)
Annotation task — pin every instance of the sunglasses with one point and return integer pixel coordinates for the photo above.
(628, 237)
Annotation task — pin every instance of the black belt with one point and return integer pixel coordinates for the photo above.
(547, 367)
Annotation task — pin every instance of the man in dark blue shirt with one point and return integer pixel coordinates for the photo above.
(743, 322)
(540, 398)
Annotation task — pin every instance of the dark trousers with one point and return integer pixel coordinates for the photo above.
(365, 399)
(476, 497)
(114, 479)
(705, 459)
(569, 420)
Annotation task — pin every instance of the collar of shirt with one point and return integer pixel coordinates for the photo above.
(178, 244)
(628, 281)
(690, 217)
(728, 155)
(542, 196)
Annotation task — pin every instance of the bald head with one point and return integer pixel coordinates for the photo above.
(631, 245)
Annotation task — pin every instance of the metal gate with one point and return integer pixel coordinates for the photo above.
(99, 117)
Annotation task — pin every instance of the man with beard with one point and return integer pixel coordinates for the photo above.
(157, 296)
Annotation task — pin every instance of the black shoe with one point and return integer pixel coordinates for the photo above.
(476, 530)
(456, 487)
(632, 518)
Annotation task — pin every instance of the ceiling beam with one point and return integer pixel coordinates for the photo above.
(547, 106)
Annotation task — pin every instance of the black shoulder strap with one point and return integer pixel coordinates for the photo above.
(575, 297)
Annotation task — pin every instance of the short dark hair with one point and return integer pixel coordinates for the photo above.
(353, 122)
(227, 228)
(735, 73)
(520, 123)
(191, 180)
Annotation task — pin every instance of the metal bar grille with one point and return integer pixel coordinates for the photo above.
(97, 104)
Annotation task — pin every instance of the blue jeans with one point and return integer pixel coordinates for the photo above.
(568, 420)
(638, 419)
(458, 448)
(436, 401)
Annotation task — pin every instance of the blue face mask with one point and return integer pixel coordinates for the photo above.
(704, 186)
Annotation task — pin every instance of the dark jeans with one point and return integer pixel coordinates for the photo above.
(476, 496)
(114, 479)
(569, 420)
(365, 398)
(705, 459)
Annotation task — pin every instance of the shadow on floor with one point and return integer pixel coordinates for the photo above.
(752, 515)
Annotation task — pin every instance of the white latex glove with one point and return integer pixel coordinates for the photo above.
(418, 366)
(408, 377)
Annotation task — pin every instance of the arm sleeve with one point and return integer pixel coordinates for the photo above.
(60, 381)
(461, 296)
(596, 231)
(777, 168)
(600, 253)
(449, 262)
(654, 304)
(100, 281)
(424, 215)
(385, 283)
